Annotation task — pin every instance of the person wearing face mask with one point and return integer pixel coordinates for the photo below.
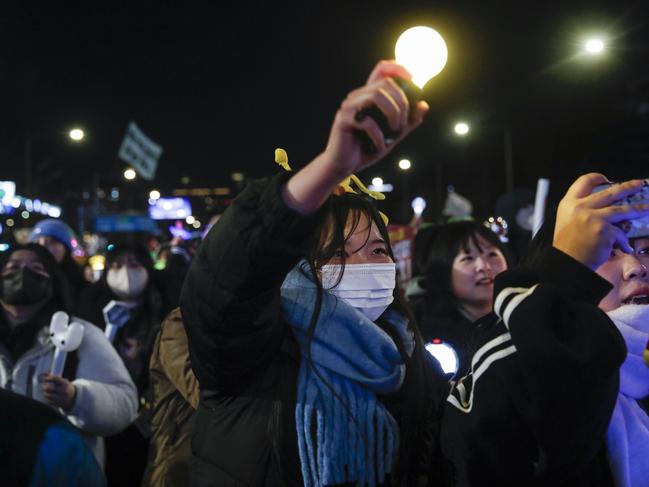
(535, 406)
(463, 260)
(95, 392)
(310, 370)
(130, 279)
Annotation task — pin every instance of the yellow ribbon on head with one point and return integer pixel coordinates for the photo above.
(281, 158)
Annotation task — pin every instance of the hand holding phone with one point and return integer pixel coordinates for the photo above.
(636, 227)
(588, 221)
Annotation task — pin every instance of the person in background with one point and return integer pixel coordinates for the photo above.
(464, 258)
(95, 392)
(536, 404)
(175, 396)
(57, 237)
(130, 279)
(41, 449)
(173, 259)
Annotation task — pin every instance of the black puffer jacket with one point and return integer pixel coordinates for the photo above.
(241, 349)
(535, 406)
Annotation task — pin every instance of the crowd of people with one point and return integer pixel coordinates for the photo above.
(283, 351)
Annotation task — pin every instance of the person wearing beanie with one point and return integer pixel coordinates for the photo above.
(57, 237)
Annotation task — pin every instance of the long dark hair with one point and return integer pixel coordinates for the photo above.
(420, 391)
(446, 244)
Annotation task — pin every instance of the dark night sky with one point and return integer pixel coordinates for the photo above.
(220, 87)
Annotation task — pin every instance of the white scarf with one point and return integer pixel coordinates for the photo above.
(627, 441)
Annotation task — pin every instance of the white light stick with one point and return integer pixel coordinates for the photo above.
(542, 188)
(65, 339)
(418, 205)
(445, 355)
(116, 314)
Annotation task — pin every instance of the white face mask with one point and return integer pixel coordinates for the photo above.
(367, 287)
(127, 282)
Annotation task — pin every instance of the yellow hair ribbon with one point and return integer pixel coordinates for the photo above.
(375, 195)
(281, 158)
(385, 218)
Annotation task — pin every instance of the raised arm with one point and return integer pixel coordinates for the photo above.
(230, 300)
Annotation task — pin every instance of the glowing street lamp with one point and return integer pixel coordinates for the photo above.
(130, 174)
(377, 181)
(594, 46)
(154, 194)
(76, 134)
(461, 128)
(405, 164)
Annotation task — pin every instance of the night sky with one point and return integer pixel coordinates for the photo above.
(220, 87)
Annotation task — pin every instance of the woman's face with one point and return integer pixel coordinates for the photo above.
(24, 258)
(473, 272)
(361, 248)
(628, 274)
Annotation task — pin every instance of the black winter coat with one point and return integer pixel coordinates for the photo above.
(535, 407)
(241, 349)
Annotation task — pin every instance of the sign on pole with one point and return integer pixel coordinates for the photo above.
(140, 152)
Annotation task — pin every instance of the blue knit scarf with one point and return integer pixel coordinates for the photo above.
(344, 436)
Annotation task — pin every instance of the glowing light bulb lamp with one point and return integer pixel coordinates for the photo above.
(422, 51)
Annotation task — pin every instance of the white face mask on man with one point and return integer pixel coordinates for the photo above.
(367, 287)
(127, 282)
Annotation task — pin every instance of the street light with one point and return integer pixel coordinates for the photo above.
(76, 134)
(154, 194)
(594, 46)
(461, 128)
(377, 181)
(404, 164)
(129, 174)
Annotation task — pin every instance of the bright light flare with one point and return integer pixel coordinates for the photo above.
(154, 194)
(418, 205)
(461, 128)
(422, 51)
(405, 164)
(76, 134)
(594, 46)
(130, 174)
(377, 181)
(445, 355)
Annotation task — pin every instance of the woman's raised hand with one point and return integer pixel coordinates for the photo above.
(344, 147)
(307, 190)
(586, 222)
